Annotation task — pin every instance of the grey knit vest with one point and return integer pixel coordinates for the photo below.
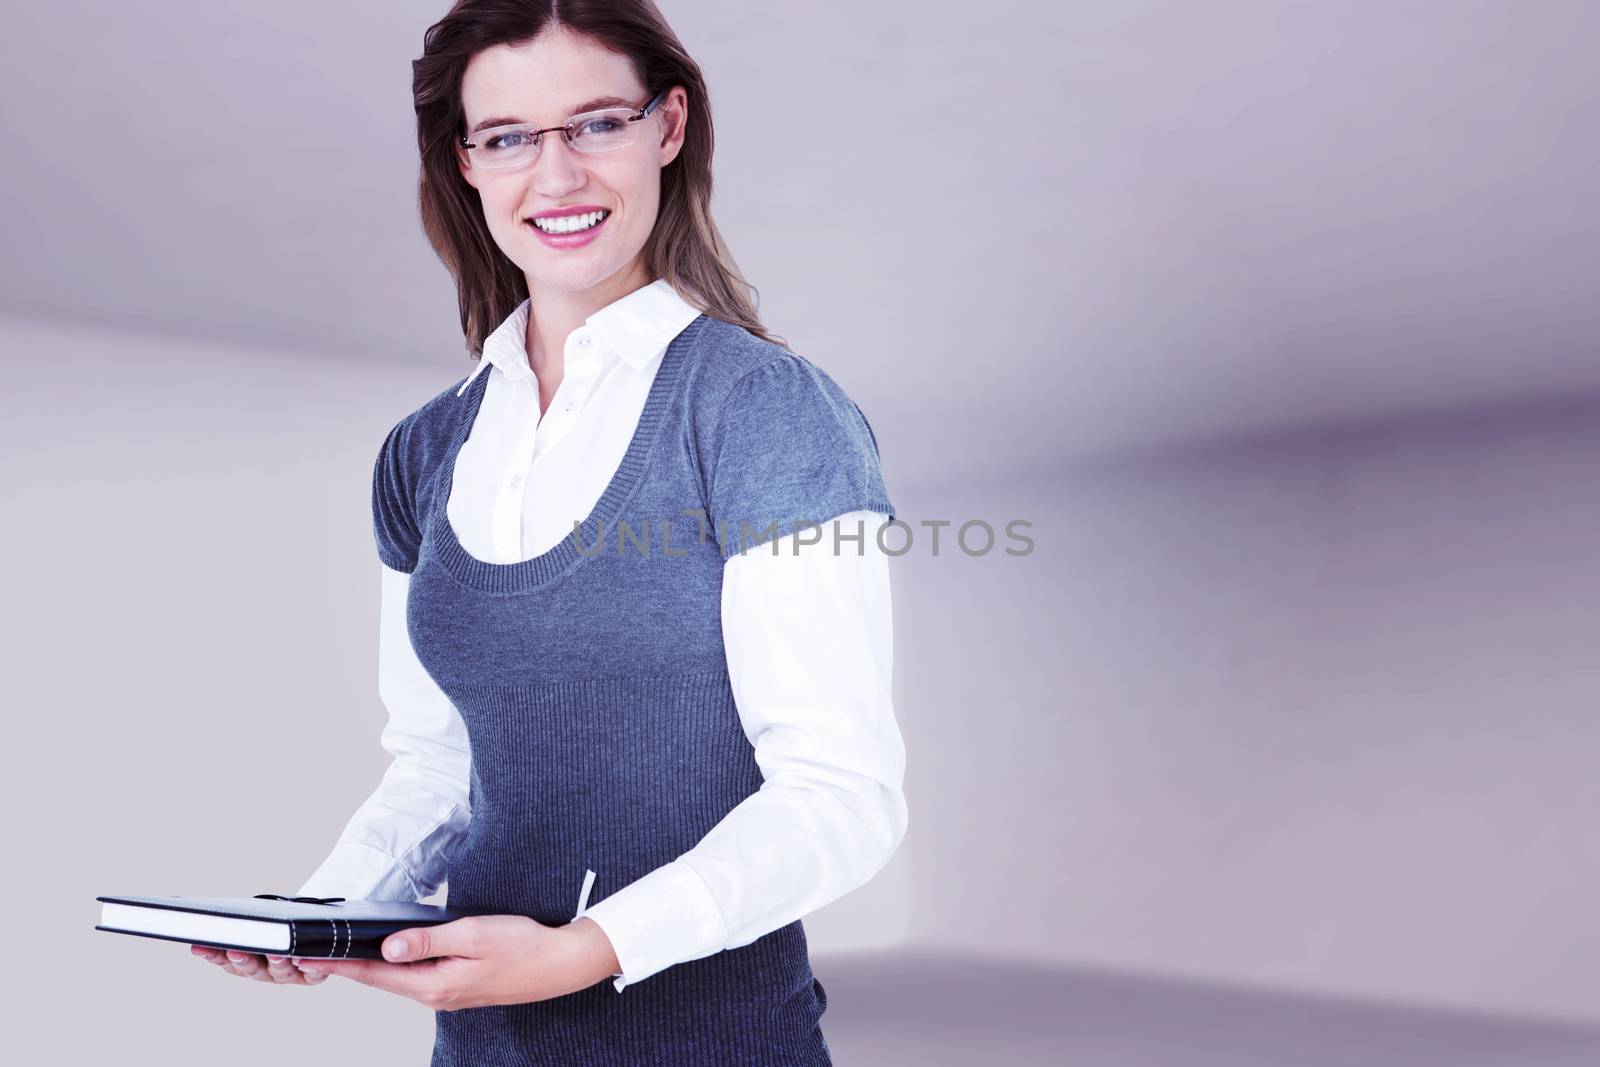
(594, 687)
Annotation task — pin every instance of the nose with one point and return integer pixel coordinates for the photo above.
(555, 144)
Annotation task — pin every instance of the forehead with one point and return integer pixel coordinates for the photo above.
(544, 80)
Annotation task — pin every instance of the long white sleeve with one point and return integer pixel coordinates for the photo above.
(813, 695)
(398, 844)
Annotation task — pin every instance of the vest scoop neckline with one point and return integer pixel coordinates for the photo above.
(554, 563)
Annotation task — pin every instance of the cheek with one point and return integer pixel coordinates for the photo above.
(634, 186)
(501, 198)
(505, 211)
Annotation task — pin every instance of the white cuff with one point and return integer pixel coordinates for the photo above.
(666, 917)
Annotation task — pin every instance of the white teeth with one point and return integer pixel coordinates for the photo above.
(570, 223)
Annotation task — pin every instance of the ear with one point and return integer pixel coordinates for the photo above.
(464, 163)
(674, 111)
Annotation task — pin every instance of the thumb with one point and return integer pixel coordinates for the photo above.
(404, 945)
(445, 939)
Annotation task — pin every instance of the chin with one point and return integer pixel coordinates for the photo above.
(576, 278)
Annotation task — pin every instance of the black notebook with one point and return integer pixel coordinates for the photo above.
(329, 927)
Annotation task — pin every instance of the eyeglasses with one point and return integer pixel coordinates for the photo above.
(606, 130)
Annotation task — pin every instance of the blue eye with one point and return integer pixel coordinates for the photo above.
(600, 125)
(514, 139)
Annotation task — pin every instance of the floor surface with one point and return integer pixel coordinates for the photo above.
(934, 1010)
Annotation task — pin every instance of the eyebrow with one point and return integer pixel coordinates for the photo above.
(588, 105)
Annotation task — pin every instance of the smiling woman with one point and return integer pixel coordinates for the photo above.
(483, 74)
(623, 762)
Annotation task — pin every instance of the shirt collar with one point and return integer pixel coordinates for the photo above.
(635, 327)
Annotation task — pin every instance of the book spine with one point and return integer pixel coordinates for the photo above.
(333, 939)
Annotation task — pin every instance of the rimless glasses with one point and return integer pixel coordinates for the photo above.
(517, 144)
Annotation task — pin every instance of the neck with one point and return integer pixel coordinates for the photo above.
(554, 313)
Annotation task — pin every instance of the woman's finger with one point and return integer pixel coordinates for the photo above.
(283, 971)
(308, 978)
(216, 957)
(246, 964)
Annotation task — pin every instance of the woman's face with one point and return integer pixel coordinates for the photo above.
(546, 81)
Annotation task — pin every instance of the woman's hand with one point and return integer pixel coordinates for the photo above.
(281, 970)
(482, 960)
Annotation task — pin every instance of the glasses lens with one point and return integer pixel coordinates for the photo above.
(603, 131)
(508, 146)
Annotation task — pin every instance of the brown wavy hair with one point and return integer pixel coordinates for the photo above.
(684, 247)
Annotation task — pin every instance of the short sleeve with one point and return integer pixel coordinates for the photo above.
(790, 449)
(394, 505)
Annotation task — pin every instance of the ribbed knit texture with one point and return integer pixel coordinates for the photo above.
(595, 691)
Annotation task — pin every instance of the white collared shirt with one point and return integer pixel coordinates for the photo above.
(813, 695)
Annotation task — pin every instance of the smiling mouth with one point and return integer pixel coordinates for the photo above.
(564, 224)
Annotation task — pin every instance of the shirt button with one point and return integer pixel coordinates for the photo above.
(514, 481)
(583, 342)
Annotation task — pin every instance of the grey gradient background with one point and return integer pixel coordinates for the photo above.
(1276, 319)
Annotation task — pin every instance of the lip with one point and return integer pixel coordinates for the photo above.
(568, 240)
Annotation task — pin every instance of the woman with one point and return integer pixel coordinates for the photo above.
(643, 739)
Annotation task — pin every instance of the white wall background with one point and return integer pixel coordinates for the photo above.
(1315, 711)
